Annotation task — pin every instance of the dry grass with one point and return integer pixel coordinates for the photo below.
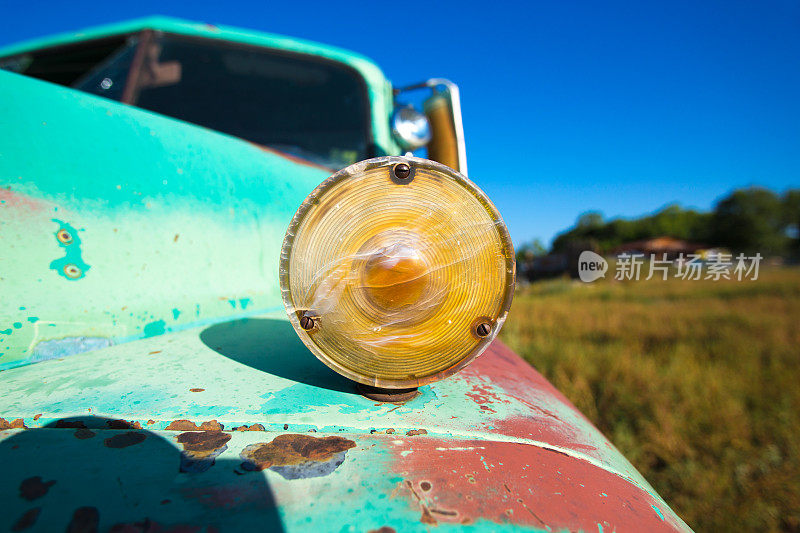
(696, 382)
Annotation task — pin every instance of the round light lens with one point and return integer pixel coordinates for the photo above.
(397, 272)
(411, 128)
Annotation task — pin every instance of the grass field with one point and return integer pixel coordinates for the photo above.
(696, 382)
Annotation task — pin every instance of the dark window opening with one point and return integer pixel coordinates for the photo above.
(302, 105)
(77, 65)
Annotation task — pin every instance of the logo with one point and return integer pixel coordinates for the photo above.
(591, 266)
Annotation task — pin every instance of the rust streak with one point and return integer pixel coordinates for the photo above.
(414, 432)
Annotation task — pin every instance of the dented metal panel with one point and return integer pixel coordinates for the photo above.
(479, 448)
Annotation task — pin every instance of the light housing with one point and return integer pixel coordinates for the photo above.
(410, 128)
(397, 272)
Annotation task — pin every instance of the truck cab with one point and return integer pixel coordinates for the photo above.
(151, 379)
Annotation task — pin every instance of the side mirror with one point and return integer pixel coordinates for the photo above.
(443, 111)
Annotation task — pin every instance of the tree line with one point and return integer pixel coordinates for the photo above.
(748, 220)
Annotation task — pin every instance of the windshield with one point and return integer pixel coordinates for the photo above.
(303, 105)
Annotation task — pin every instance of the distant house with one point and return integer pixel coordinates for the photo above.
(658, 246)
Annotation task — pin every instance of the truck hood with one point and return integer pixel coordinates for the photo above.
(236, 423)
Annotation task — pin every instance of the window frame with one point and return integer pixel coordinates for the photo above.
(146, 36)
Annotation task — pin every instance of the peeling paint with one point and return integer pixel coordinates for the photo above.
(201, 448)
(57, 348)
(295, 456)
(188, 425)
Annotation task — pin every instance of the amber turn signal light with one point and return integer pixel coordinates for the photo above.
(397, 272)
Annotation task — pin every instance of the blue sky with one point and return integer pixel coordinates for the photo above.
(621, 107)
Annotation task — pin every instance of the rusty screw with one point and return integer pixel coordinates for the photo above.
(306, 322)
(72, 271)
(483, 329)
(64, 236)
(402, 171)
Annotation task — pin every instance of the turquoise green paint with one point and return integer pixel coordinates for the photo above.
(6, 331)
(175, 314)
(658, 512)
(33, 319)
(135, 181)
(17, 325)
(244, 302)
(154, 328)
(72, 255)
(258, 373)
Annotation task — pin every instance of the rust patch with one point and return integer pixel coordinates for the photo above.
(414, 432)
(153, 353)
(34, 488)
(124, 440)
(254, 427)
(384, 529)
(196, 390)
(84, 520)
(425, 485)
(83, 433)
(201, 448)
(296, 456)
(37, 417)
(151, 422)
(123, 424)
(17, 423)
(188, 425)
(70, 424)
(27, 519)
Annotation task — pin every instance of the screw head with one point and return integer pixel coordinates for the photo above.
(306, 322)
(483, 329)
(64, 236)
(72, 271)
(402, 171)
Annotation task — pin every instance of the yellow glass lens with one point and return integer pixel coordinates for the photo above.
(397, 279)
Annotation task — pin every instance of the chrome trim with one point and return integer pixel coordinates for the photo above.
(453, 92)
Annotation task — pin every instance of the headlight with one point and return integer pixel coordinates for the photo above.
(410, 128)
(396, 272)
